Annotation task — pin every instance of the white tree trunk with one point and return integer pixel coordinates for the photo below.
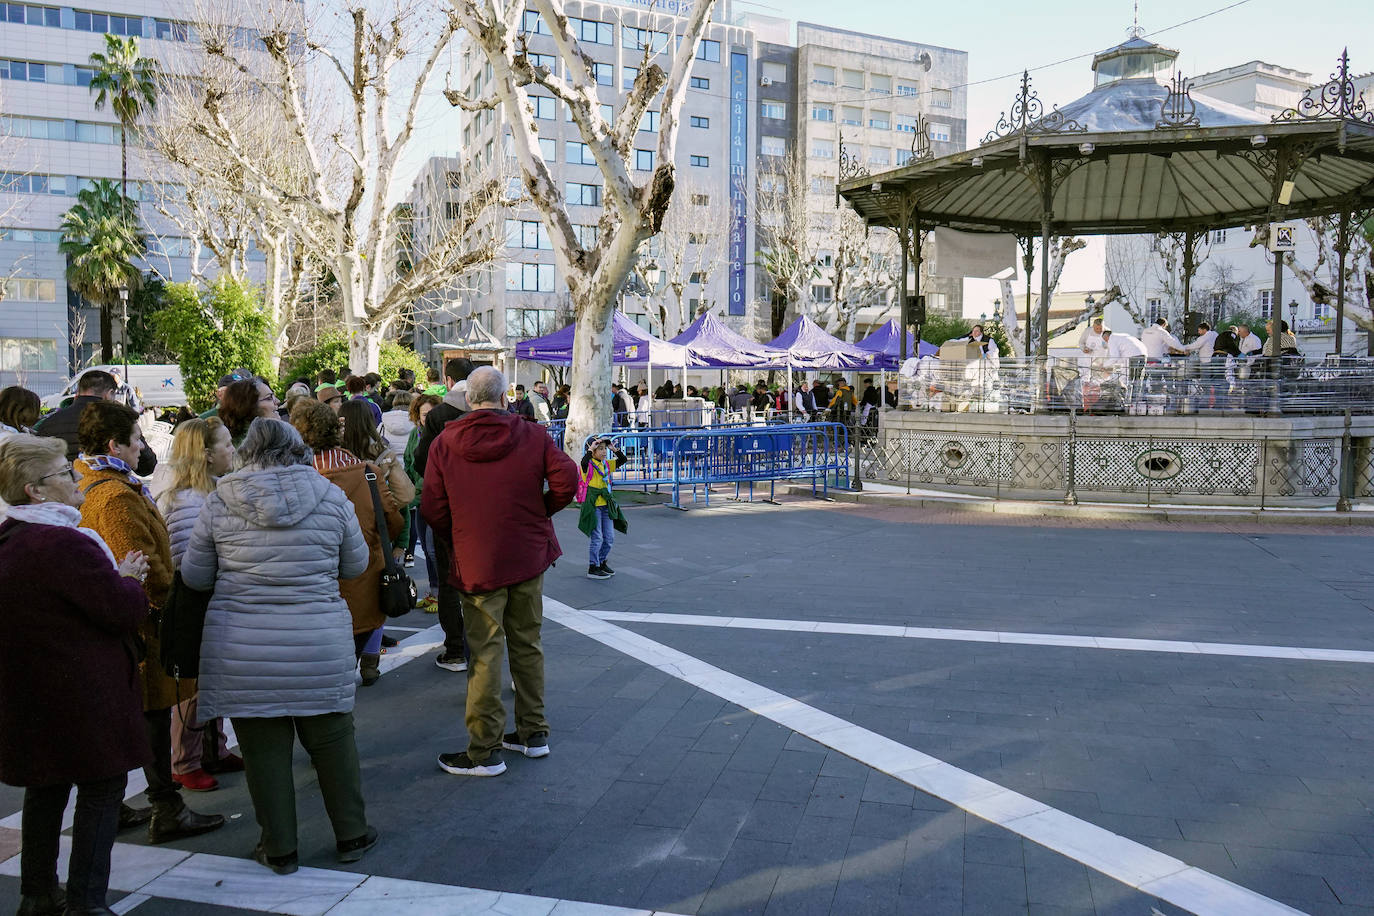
(589, 410)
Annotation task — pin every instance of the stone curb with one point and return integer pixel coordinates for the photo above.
(1100, 511)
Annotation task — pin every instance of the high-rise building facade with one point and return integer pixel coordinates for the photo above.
(54, 144)
(753, 87)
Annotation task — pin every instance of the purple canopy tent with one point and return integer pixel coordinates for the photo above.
(809, 347)
(886, 341)
(631, 345)
(715, 346)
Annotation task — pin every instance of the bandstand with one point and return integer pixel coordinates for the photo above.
(1140, 154)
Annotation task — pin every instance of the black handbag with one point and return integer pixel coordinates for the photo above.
(398, 593)
(180, 629)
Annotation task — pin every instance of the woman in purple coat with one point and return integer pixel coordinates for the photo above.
(71, 703)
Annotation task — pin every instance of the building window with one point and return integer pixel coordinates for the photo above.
(701, 82)
(576, 153)
(1323, 311)
(638, 39)
(822, 75)
(604, 74)
(941, 98)
(529, 322)
(30, 289)
(701, 200)
(583, 195)
(708, 50)
(700, 121)
(937, 303)
(548, 149)
(530, 278)
(908, 89)
(774, 72)
(644, 160)
(700, 161)
(28, 354)
(822, 112)
(1266, 301)
(698, 238)
(879, 156)
(697, 277)
(533, 22)
(99, 22)
(822, 293)
(853, 79)
(586, 235)
(547, 61)
(903, 156)
(650, 120)
(545, 109)
(591, 31)
(628, 76)
(851, 115)
(1218, 236)
(823, 149)
(822, 184)
(939, 131)
(882, 85)
(775, 110)
(527, 233)
(1154, 310)
(880, 120)
(906, 124)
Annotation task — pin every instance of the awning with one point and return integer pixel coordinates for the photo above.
(631, 345)
(810, 347)
(717, 346)
(886, 342)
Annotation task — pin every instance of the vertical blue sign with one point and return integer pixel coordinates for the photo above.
(739, 178)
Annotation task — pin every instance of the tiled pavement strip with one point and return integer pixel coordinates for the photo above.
(795, 769)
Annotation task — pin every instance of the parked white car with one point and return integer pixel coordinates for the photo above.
(153, 385)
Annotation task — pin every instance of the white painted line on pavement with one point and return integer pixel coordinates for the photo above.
(1124, 860)
(169, 874)
(1126, 644)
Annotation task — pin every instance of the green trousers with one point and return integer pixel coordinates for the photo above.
(267, 745)
(504, 622)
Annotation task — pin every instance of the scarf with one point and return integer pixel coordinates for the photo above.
(59, 515)
(111, 463)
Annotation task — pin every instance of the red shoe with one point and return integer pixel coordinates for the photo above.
(196, 781)
(229, 763)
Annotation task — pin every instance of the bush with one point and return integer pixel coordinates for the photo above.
(212, 331)
(331, 352)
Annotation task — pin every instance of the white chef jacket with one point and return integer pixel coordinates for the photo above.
(1091, 341)
(1204, 345)
(1157, 340)
(1250, 343)
(992, 351)
(1124, 346)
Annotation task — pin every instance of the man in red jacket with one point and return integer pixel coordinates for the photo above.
(484, 490)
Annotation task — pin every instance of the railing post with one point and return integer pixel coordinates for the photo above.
(1070, 496)
(857, 483)
(1347, 472)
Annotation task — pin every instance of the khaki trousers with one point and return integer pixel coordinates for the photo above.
(505, 622)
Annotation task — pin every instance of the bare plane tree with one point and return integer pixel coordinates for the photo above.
(308, 122)
(689, 251)
(595, 269)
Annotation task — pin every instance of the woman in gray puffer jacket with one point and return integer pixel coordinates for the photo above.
(273, 540)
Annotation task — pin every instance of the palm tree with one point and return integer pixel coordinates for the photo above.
(128, 82)
(101, 239)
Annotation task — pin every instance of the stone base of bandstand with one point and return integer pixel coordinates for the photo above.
(1223, 459)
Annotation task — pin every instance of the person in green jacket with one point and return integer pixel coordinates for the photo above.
(601, 517)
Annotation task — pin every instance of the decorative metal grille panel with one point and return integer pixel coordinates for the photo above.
(1309, 467)
(1204, 467)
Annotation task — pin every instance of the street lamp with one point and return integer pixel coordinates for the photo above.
(124, 332)
(1292, 321)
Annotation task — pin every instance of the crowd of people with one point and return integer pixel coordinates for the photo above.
(284, 516)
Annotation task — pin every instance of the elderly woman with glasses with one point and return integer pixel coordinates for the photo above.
(71, 707)
(273, 541)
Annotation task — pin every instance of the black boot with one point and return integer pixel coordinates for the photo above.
(172, 820)
(88, 911)
(50, 904)
(133, 817)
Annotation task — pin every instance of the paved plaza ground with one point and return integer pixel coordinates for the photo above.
(817, 708)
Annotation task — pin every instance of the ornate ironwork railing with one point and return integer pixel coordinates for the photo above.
(1027, 115)
(1336, 98)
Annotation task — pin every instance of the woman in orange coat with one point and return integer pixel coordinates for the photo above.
(319, 426)
(120, 509)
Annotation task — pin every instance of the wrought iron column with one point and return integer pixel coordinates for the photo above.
(1189, 240)
(903, 237)
(916, 262)
(1042, 320)
(1342, 243)
(1028, 261)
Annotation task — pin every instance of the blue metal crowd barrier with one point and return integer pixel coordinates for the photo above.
(744, 456)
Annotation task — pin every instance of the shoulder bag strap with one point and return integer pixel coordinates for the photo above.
(380, 518)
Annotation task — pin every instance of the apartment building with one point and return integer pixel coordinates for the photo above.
(752, 90)
(54, 144)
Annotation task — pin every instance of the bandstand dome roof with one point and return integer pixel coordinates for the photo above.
(1137, 153)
